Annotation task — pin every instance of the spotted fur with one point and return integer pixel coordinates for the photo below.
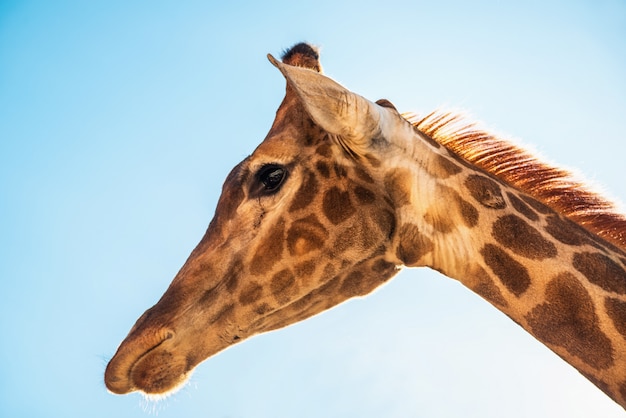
(552, 186)
(568, 319)
(488, 214)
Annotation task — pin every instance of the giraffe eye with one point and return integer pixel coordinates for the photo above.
(272, 176)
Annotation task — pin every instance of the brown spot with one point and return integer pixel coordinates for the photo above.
(564, 230)
(486, 191)
(263, 308)
(622, 390)
(482, 283)
(351, 285)
(510, 272)
(305, 195)
(231, 279)
(323, 169)
(516, 234)
(346, 239)
(330, 287)
(282, 285)
(269, 251)
(538, 206)
(616, 309)
(442, 167)
(364, 196)
(305, 269)
(386, 222)
(306, 235)
(251, 293)
(374, 278)
(337, 205)
(309, 138)
(364, 280)
(522, 207)
(601, 271)
(225, 314)
(340, 170)
(568, 319)
(209, 297)
(383, 266)
(359, 235)
(413, 245)
(297, 309)
(363, 174)
(398, 185)
(468, 212)
(324, 150)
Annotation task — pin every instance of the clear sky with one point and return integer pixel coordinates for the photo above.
(119, 121)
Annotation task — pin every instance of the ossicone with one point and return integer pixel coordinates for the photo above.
(303, 55)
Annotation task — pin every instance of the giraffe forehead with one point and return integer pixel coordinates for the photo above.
(275, 154)
(285, 145)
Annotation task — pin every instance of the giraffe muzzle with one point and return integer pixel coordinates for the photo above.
(144, 362)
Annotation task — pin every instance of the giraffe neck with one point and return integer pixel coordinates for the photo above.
(563, 284)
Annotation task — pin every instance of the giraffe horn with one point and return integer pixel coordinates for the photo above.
(352, 118)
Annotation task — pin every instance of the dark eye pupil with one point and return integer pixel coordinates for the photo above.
(272, 177)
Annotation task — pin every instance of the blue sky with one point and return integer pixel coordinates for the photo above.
(119, 121)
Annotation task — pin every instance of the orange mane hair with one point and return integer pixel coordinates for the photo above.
(552, 186)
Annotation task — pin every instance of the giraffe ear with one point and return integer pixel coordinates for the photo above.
(353, 119)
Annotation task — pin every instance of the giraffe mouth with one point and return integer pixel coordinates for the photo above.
(146, 364)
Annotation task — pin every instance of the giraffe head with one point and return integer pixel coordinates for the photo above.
(303, 224)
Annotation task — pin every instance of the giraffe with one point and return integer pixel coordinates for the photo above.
(343, 193)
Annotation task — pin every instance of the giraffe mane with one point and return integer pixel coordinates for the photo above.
(553, 186)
